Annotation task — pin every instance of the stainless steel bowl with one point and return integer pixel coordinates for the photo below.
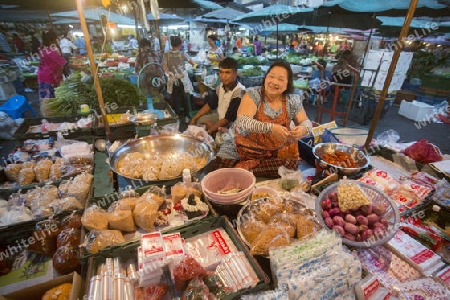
(161, 145)
(362, 161)
(143, 118)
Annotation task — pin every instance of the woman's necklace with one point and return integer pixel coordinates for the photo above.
(273, 100)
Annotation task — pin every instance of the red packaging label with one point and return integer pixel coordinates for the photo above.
(371, 288)
(422, 256)
(445, 277)
(218, 238)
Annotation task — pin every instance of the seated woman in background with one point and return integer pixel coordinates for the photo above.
(262, 140)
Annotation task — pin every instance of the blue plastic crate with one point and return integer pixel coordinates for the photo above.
(429, 99)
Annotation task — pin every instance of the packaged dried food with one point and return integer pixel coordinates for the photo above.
(45, 237)
(350, 196)
(42, 170)
(178, 192)
(79, 160)
(95, 218)
(64, 204)
(79, 190)
(63, 188)
(305, 226)
(43, 197)
(26, 176)
(12, 171)
(69, 237)
(129, 201)
(152, 292)
(210, 247)
(252, 228)
(266, 210)
(146, 211)
(58, 161)
(128, 192)
(55, 172)
(196, 289)
(65, 260)
(71, 221)
(15, 215)
(28, 164)
(98, 239)
(61, 292)
(185, 271)
(84, 178)
(74, 170)
(41, 212)
(121, 217)
(271, 237)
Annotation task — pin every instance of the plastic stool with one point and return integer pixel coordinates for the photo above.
(16, 106)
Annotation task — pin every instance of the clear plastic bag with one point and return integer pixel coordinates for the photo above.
(65, 260)
(65, 204)
(146, 211)
(12, 171)
(152, 292)
(45, 235)
(16, 214)
(42, 170)
(185, 271)
(274, 236)
(72, 221)
(121, 217)
(289, 178)
(26, 176)
(98, 239)
(70, 237)
(196, 289)
(388, 137)
(95, 218)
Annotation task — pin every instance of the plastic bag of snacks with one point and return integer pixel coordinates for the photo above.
(95, 218)
(42, 170)
(65, 260)
(99, 239)
(185, 271)
(121, 217)
(46, 235)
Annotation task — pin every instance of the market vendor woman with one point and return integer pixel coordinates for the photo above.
(262, 139)
(51, 64)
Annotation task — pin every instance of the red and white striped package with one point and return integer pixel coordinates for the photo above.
(425, 259)
(210, 247)
(444, 276)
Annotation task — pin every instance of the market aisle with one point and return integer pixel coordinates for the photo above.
(438, 134)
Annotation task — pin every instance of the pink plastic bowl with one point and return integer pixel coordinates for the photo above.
(228, 178)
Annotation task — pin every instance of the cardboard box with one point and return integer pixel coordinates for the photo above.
(36, 292)
(7, 90)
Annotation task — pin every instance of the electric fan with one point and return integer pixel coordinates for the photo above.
(151, 82)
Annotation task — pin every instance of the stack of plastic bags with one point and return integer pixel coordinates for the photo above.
(310, 270)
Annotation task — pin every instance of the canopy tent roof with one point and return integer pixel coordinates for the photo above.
(166, 19)
(271, 11)
(14, 15)
(96, 15)
(224, 13)
(384, 5)
(213, 21)
(415, 23)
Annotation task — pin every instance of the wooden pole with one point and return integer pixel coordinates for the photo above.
(370, 35)
(387, 83)
(90, 53)
(49, 17)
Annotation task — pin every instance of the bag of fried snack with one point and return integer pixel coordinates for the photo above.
(121, 217)
(42, 170)
(350, 195)
(66, 203)
(55, 172)
(95, 218)
(12, 171)
(287, 221)
(251, 228)
(26, 176)
(273, 236)
(146, 211)
(98, 239)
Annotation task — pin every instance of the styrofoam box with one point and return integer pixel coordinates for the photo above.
(416, 111)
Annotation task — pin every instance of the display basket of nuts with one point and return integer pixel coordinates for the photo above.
(363, 215)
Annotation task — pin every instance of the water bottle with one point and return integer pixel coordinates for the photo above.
(187, 179)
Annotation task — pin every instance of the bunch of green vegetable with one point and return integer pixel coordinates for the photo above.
(255, 71)
(253, 60)
(73, 92)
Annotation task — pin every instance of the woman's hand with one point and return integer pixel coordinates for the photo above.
(298, 131)
(280, 132)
